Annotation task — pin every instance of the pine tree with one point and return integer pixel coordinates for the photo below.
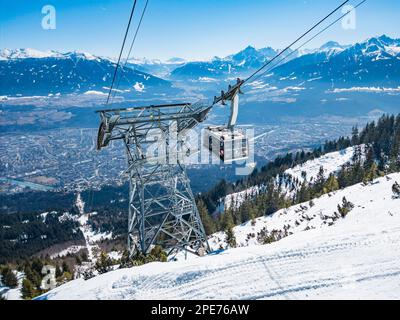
(369, 156)
(252, 215)
(34, 278)
(230, 237)
(396, 190)
(354, 136)
(371, 174)
(331, 184)
(320, 181)
(303, 195)
(58, 271)
(104, 263)
(227, 219)
(125, 260)
(84, 256)
(357, 154)
(37, 265)
(65, 267)
(159, 254)
(208, 222)
(9, 279)
(28, 290)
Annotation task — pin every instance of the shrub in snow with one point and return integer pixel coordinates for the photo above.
(345, 208)
(138, 259)
(88, 274)
(264, 237)
(396, 191)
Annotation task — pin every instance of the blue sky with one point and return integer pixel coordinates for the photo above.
(185, 28)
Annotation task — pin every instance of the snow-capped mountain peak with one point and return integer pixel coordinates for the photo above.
(81, 55)
(34, 72)
(332, 45)
(27, 53)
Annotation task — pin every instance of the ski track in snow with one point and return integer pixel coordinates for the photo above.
(356, 258)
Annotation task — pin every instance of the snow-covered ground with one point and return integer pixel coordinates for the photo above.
(91, 237)
(69, 250)
(322, 213)
(357, 257)
(331, 163)
(13, 294)
(236, 199)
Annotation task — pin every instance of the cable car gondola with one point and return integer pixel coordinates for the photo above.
(229, 145)
(227, 142)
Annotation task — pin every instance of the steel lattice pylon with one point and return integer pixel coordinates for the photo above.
(162, 208)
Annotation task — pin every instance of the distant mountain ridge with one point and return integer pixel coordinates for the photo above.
(28, 53)
(32, 72)
(373, 62)
(246, 59)
(375, 59)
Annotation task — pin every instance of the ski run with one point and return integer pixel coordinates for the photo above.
(322, 256)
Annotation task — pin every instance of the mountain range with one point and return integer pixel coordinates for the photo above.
(376, 61)
(248, 59)
(31, 72)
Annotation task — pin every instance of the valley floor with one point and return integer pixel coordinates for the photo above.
(356, 258)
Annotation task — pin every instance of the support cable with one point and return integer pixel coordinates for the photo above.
(122, 50)
(308, 41)
(131, 47)
(294, 42)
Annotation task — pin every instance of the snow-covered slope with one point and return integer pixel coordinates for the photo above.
(29, 72)
(234, 200)
(13, 294)
(322, 213)
(91, 237)
(330, 162)
(375, 60)
(354, 258)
